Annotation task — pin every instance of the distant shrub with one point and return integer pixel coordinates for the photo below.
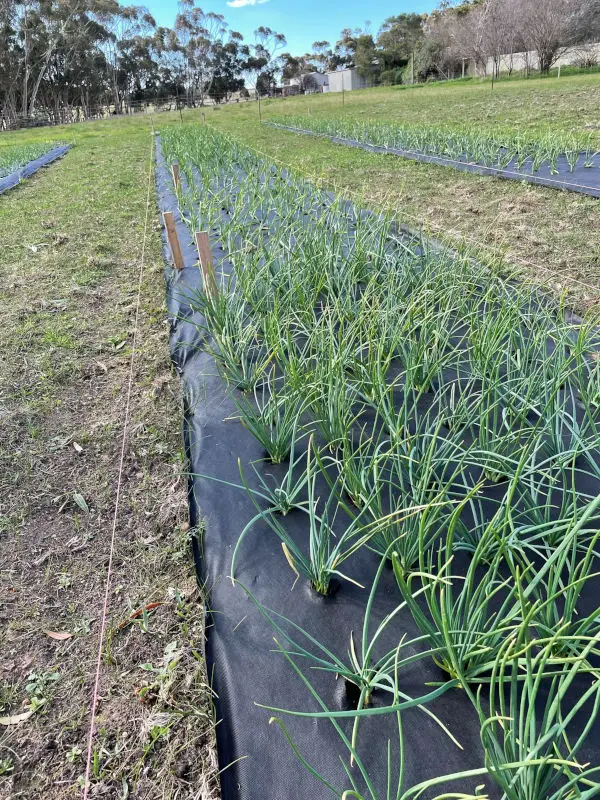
(391, 77)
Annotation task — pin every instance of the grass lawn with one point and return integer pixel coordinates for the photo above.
(551, 236)
(69, 265)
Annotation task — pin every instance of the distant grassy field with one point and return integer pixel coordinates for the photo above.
(535, 105)
(551, 236)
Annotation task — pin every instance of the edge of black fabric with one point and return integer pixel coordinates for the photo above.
(15, 178)
(581, 179)
(257, 761)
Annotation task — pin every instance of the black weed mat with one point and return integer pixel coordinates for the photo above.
(15, 178)
(257, 760)
(582, 179)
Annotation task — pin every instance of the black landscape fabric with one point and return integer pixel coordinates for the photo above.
(582, 179)
(258, 762)
(15, 178)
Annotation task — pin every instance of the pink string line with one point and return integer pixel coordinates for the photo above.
(86, 786)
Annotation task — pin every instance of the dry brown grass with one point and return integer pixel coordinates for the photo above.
(68, 299)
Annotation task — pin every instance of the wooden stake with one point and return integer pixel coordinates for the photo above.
(169, 222)
(209, 278)
(176, 178)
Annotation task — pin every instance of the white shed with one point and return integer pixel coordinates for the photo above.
(345, 80)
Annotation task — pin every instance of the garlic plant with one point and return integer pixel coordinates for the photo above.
(451, 418)
(528, 153)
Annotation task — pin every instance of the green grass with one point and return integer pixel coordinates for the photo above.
(535, 106)
(69, 264)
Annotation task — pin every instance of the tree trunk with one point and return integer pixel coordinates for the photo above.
(38, 81)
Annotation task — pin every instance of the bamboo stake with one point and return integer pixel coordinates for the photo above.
(169, 222)
(209, 278)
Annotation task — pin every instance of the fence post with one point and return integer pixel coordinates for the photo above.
(169, 222)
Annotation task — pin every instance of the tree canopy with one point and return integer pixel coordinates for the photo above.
(59, 56)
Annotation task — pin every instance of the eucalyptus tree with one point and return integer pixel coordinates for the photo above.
(229, 60)
(263, 64)
(127, 30)
(197, 35)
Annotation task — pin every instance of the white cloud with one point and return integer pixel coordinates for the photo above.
(243, 3)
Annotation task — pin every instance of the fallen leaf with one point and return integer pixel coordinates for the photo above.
(78, 448)
(80, 501)
(138, 613)
(43, 558)
(16, 719)
(59, 635)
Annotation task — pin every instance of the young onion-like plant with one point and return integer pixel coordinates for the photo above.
(282, 495)
(532, 755)
(328, 549)
(552, 579)
(459, 620)
(272, 416)
(361, 667)
(428, 468)
(332, 403)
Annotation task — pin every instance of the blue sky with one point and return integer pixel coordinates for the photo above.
(302, 21)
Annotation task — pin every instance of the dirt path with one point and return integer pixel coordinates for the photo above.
(68, 289)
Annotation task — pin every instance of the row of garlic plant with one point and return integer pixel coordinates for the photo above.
(450, 410)
(461, 143)
(12, 157)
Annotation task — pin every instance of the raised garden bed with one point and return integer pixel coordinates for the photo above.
(557, 162)
(394, 453)
(22, 161)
